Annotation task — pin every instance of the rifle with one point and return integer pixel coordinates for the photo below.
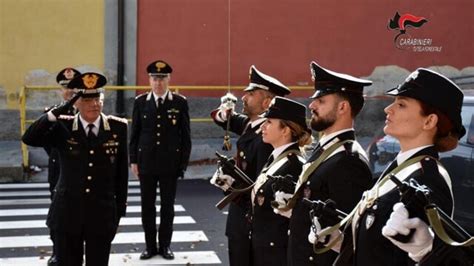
(325, 211)
(245, 183)
(282, 183)
(416, 199)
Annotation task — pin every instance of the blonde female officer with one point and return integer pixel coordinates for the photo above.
(286, 130)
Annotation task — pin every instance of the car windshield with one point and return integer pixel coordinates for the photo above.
(468, 122)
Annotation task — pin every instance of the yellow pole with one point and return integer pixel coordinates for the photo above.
(22, 106)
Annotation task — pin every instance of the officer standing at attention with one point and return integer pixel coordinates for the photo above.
(286, 130)
(63, 78)
(344, 172)
(160, 146)
(91, 193)
(425, 117)
(252, 154)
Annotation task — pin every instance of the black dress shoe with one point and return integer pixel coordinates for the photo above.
(148, 254)
(166, 253)
(53, 260)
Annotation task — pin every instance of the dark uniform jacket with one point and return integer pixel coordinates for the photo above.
(343, 178)
(252, 154)
(270, 230)
(372, 248)
(53, 161)
(160, 140)
(91, 193)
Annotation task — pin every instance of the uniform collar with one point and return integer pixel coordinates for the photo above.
(77, 117)
(281, 149)
(403, 156)
(257, 122)
(326, 138)
(167, 95)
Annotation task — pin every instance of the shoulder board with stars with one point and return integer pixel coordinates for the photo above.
(116, 118)
(66, 117)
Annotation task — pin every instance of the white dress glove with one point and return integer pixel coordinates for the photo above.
(282, 199)
(226, 108)
(422, 241)
(221, 180)
(313, 230)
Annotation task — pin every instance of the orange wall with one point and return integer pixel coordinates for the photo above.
(281, 37)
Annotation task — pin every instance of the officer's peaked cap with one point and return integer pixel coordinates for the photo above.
(327, 81)
(159, 68)
(66, 75)
(436, 91)
(259, 80)
(287, 109)
(89, 83)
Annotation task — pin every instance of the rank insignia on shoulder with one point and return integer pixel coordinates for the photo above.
(66, 117)
(116, 118)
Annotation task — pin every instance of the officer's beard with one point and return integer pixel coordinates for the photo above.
(322, 123)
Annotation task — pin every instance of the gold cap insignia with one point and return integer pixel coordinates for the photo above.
(90, 80)
(159, 66)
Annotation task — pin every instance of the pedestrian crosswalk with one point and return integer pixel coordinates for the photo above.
(24, 236)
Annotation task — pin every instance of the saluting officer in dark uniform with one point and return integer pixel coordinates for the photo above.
(63, 78)
(91, 193)
(344, 174)
(286, 130)
(160, 146)
(252, 154)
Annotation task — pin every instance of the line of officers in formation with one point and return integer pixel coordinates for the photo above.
(267, 224)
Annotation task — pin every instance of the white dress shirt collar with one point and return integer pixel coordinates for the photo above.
(85, 124)
(325, 138)
(403, 156)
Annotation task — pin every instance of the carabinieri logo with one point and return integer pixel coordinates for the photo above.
(404, 40)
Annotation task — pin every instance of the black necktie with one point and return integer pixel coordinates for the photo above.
(90, 133)
(270, 160)
(160, 102)
(316, 153)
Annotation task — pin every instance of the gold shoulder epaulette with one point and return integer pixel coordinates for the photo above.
(116, 118)
(66, 117)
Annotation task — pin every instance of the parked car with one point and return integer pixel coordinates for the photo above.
(459, 163)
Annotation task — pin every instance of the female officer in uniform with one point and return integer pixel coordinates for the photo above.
(425, 118)
(286, 130)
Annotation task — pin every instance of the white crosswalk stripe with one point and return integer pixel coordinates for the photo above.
(44, 211)
(44, 185)
(123, 221)
(19, 214)
(33, 193)
(7, 202)
(120, 238)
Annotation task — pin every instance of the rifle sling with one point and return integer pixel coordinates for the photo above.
(348, 219)
(235, 192)
(311, 168)
(435, 222)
